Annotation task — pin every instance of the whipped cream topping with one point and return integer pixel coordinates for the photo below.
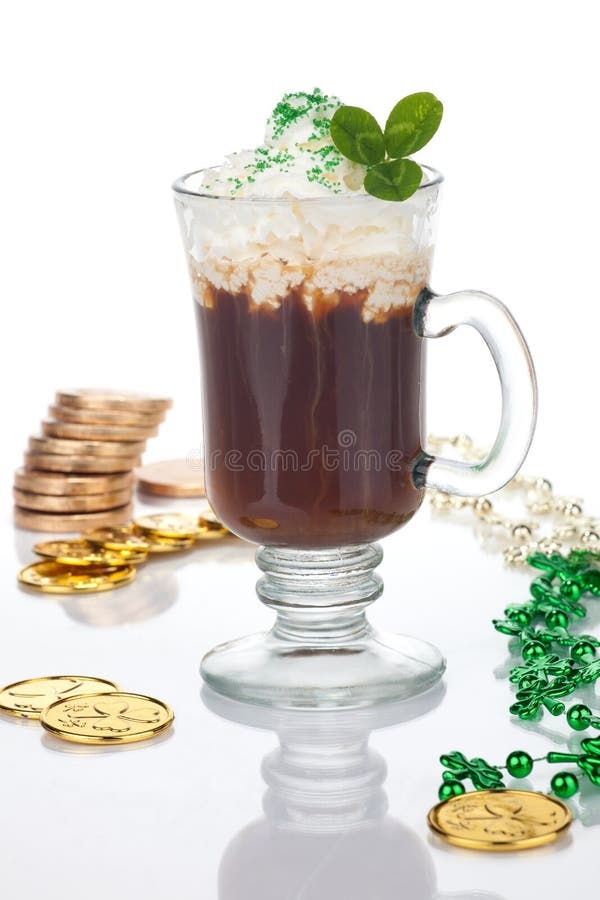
(292, 215)
(297, 158)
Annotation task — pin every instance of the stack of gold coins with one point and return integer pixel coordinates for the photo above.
(78, 473)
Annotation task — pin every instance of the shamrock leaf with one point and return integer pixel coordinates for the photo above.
(357, 135)
(412, 123)
(396, 179)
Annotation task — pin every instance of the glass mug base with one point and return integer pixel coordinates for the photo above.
(321, 652)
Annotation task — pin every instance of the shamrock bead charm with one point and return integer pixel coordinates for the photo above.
(482, 774)
(542, 667)
(540, 693)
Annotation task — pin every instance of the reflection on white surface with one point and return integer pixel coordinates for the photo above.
(50, 742)
(154, 590)
(325, 833)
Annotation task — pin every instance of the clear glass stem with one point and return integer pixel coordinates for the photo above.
(321, 652)
(319, 596)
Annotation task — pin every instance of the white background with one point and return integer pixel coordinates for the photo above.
(103, 106)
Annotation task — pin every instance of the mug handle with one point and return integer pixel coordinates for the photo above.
(437, 315)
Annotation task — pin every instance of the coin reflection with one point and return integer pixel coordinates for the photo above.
(153, 592)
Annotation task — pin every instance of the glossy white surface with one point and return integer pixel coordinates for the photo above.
(189, 815)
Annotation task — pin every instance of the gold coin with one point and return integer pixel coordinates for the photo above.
(81, 553)
(208, 520)
(168, 545)
(38, 521)
(28, 698)
(70, 447)
(87, 503)
(174, 526)
(500, 820)
(52, 428)
(121, 538)
(98, 398)
(107, 718)
(61, 485)
(51, 577)
(98, 465)
(172, 478)
(105, 416)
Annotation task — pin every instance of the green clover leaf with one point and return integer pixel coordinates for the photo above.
(357, 135)
(412, 123)
(395, 179)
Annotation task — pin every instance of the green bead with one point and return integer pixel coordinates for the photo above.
(533, 650)
(591, 581)
(581, 649)
(579, 717)
(564, 785)
(519, 764)
(570, 589)
(556, 619)
(450, 789)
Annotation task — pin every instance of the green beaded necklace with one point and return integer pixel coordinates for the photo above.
(555, 659)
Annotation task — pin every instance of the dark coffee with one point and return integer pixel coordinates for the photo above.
(312, 418)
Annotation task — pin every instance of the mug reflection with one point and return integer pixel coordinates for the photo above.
(326, 832)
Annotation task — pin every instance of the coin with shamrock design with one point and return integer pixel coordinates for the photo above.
(107, 718)
(500, 820)
(28, 698)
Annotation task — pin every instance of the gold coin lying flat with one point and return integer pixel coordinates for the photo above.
(173, 526)
(99, 465)
(107, 718)
(72, 504)
(100, 398)
(40, 521)
(168, 545)
(500, 820)
(81, 553)
(105, 416)
(28, 698)
(53, 428)
(63, 485)
(71, 447)
(51, 577)
(171, 478)
(121, 538)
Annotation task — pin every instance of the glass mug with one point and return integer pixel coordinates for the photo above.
(312, 317)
